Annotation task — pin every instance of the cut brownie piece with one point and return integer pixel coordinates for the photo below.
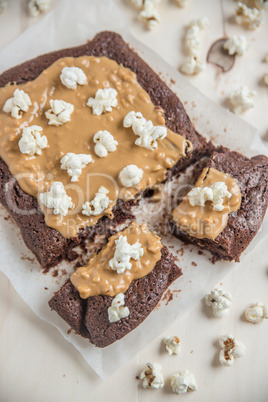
(48, 245)
(252, 178)
(89, 317)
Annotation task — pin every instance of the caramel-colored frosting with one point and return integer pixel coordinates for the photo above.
(203, 221)
(35, 174)
(98, 278)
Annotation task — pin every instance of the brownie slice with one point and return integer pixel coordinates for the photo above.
(48, 245)
(242, 226)
(89, 317)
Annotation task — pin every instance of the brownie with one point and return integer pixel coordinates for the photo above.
(48, 245)
(89, 317)
(252, 178)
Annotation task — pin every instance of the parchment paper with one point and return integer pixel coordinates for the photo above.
(71, 23)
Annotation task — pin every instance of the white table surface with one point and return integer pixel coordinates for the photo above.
(37, 364)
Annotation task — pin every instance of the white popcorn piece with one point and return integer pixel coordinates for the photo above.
(38, 6)
(231, 349)
(117, 310)
(215, 193)
(98, 204)
(266, 79)
(173, 345)
(18, 104)
(152, 376)
(131, 175)
(183, 382)
(236, 45)
(74, 163)
(150, 16)
(144, 3)
(105, 99)
(147, 132)
(71, 76)
(261, 4)
(32, 141)
(123, 253)
(257, 313)
(57, 199)
(182, 3)
(242, 99)
(60, 112)
(220, 301)
(105, 143)
(192, 67)
(252, 18)
(3, 5)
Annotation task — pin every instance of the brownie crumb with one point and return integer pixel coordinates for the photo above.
(194, 264)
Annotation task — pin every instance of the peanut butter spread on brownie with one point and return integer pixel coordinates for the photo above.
(97, 277)
(202, 221)
(37, 173)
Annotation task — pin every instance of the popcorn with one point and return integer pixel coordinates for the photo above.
(220, 302)
(57, 199)
(236, 45)
(74, 163)
(32, 142)
(257, 313)
(150, 16)
(104, 101)
(215, 193)
(71, 76)
(182, 3)
(60, 112)
(193, 43)
(266, 79)
(231, 349)
(38, 6)
(173, 345)
(117, 309)
(144, 3)
(130, 176)
(18, 104)
(242, 99)
(252, 18)
(123, 253)
(105, 143)
(98, 204)
(147, 132)
(152, 376)
(261, 4)
(183, 382)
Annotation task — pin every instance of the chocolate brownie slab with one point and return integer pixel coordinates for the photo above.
(89, 317)
(49, 246)
(251, 175)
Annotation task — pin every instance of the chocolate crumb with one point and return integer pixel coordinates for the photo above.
(194, 264)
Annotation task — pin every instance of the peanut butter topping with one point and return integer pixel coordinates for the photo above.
(204, 221)
(36, 174)
(98, 278)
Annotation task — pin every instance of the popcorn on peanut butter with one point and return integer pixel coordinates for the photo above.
(98, 204)
(131, 175)
(105, 99)
(105, 143)
(123, 253)
(71, 76)
(32, 141)
(231, 349)
(257, 313)
(117, 310)
(18, 104)
(215, 193)
(152, 376)
(38, 6)
(60, 112)
(173, 345)
(57, 199)
(183, 382)
(147, 132)
(251, 18)
(74, 163)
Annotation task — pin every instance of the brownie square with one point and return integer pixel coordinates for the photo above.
(48, 245)
(252, 178)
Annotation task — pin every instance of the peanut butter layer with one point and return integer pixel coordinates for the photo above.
(98, 278)
(203, 221)
(35, 174)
